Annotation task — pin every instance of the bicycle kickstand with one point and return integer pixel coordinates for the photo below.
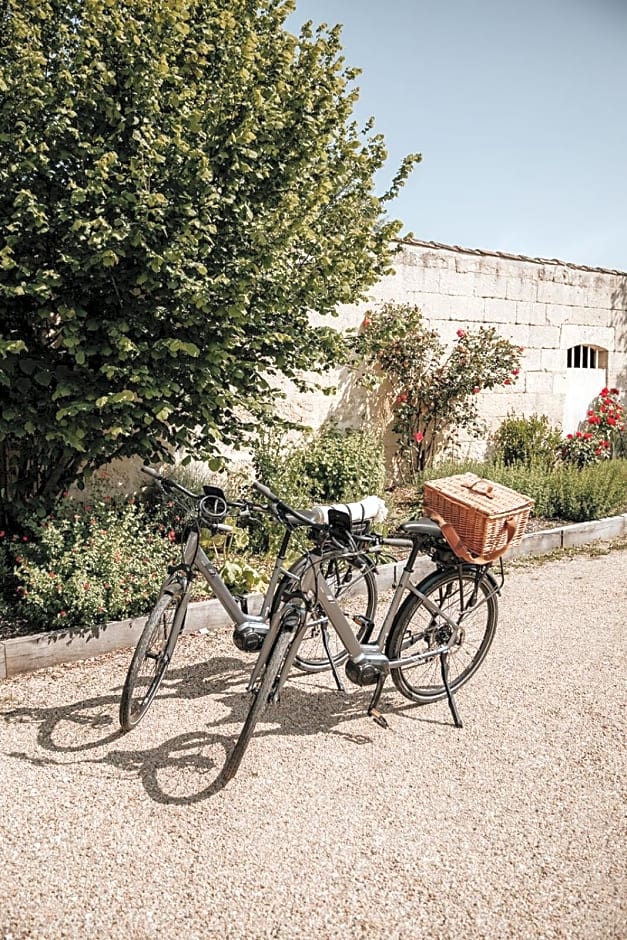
(451, 701)
(374, 701)
(327, 649)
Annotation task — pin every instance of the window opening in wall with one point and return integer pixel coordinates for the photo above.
(586, 357)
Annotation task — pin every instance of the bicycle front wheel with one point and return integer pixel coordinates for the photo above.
(151, 658)
(469, 602)
(262, 696)
(354, 586)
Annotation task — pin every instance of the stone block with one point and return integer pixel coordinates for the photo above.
(459, 285)
(550, 405)
(539, 382)
(576, 334)
(427, 280)
(476, 264)
(537, 543)
(531, 360)
(441, 307)
(518, 333)
(551, 293)
(469, 309)
(603, 529)
(518, 288)
(444, 260)
(530, 312)
(499, 311)
(552, 360)
(545, 337)
(556, 315)
(491, 286)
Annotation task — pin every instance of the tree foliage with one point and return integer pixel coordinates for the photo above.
(181, 183)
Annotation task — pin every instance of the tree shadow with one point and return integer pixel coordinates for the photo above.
(619, 308)
(187, 768)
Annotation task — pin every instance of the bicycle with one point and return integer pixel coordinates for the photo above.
(351, 579)
(443, 626)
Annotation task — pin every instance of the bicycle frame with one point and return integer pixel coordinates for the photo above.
(195, 559)
(313, 584)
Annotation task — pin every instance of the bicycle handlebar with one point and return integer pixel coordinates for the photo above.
(284, 509)
(167, 483)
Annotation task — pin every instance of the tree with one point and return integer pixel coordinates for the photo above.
(181, 183)
(432, 389)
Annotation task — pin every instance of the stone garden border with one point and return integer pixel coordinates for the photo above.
(38, 651)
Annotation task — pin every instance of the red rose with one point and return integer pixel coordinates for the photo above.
(476, 390)
(419, 436)
(461, 333)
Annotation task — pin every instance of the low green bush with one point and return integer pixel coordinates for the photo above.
(333, 465)
(561, 492)
(87, 564)
(342, 465)
(526, 440)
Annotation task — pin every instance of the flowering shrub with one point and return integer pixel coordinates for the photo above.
(584, 448)
(433, 388)
(600, 433)
(88, 564)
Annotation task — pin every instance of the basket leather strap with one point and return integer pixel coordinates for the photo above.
(458, 546)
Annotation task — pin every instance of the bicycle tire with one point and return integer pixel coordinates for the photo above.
(416, 630)
(345, 574)
(259, 704)
(164, 622)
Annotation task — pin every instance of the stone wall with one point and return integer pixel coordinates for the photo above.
(546, 306)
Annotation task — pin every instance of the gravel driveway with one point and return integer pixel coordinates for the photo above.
(511, 827)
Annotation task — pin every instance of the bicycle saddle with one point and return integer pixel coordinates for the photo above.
(421, 527)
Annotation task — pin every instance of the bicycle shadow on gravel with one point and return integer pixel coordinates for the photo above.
(176, 771)
(93, 722)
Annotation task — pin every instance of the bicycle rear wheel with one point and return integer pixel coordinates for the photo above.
(262, 696)
(354, 586)
(470, 602)
(151, 658)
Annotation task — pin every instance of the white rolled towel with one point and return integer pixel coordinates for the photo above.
(371, 508)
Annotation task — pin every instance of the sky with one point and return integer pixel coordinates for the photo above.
(518, 108)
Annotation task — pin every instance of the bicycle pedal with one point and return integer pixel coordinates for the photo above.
(378, 718)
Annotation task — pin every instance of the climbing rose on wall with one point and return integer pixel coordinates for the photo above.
(432, 387)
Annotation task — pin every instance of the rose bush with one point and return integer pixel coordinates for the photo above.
(432, 388)
(598, 437)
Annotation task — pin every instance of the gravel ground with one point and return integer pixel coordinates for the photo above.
(334, 827)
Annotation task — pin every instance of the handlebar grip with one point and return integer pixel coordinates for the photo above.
(150, 472)
(265, 492)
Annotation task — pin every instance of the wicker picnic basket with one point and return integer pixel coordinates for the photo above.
(479, 519)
